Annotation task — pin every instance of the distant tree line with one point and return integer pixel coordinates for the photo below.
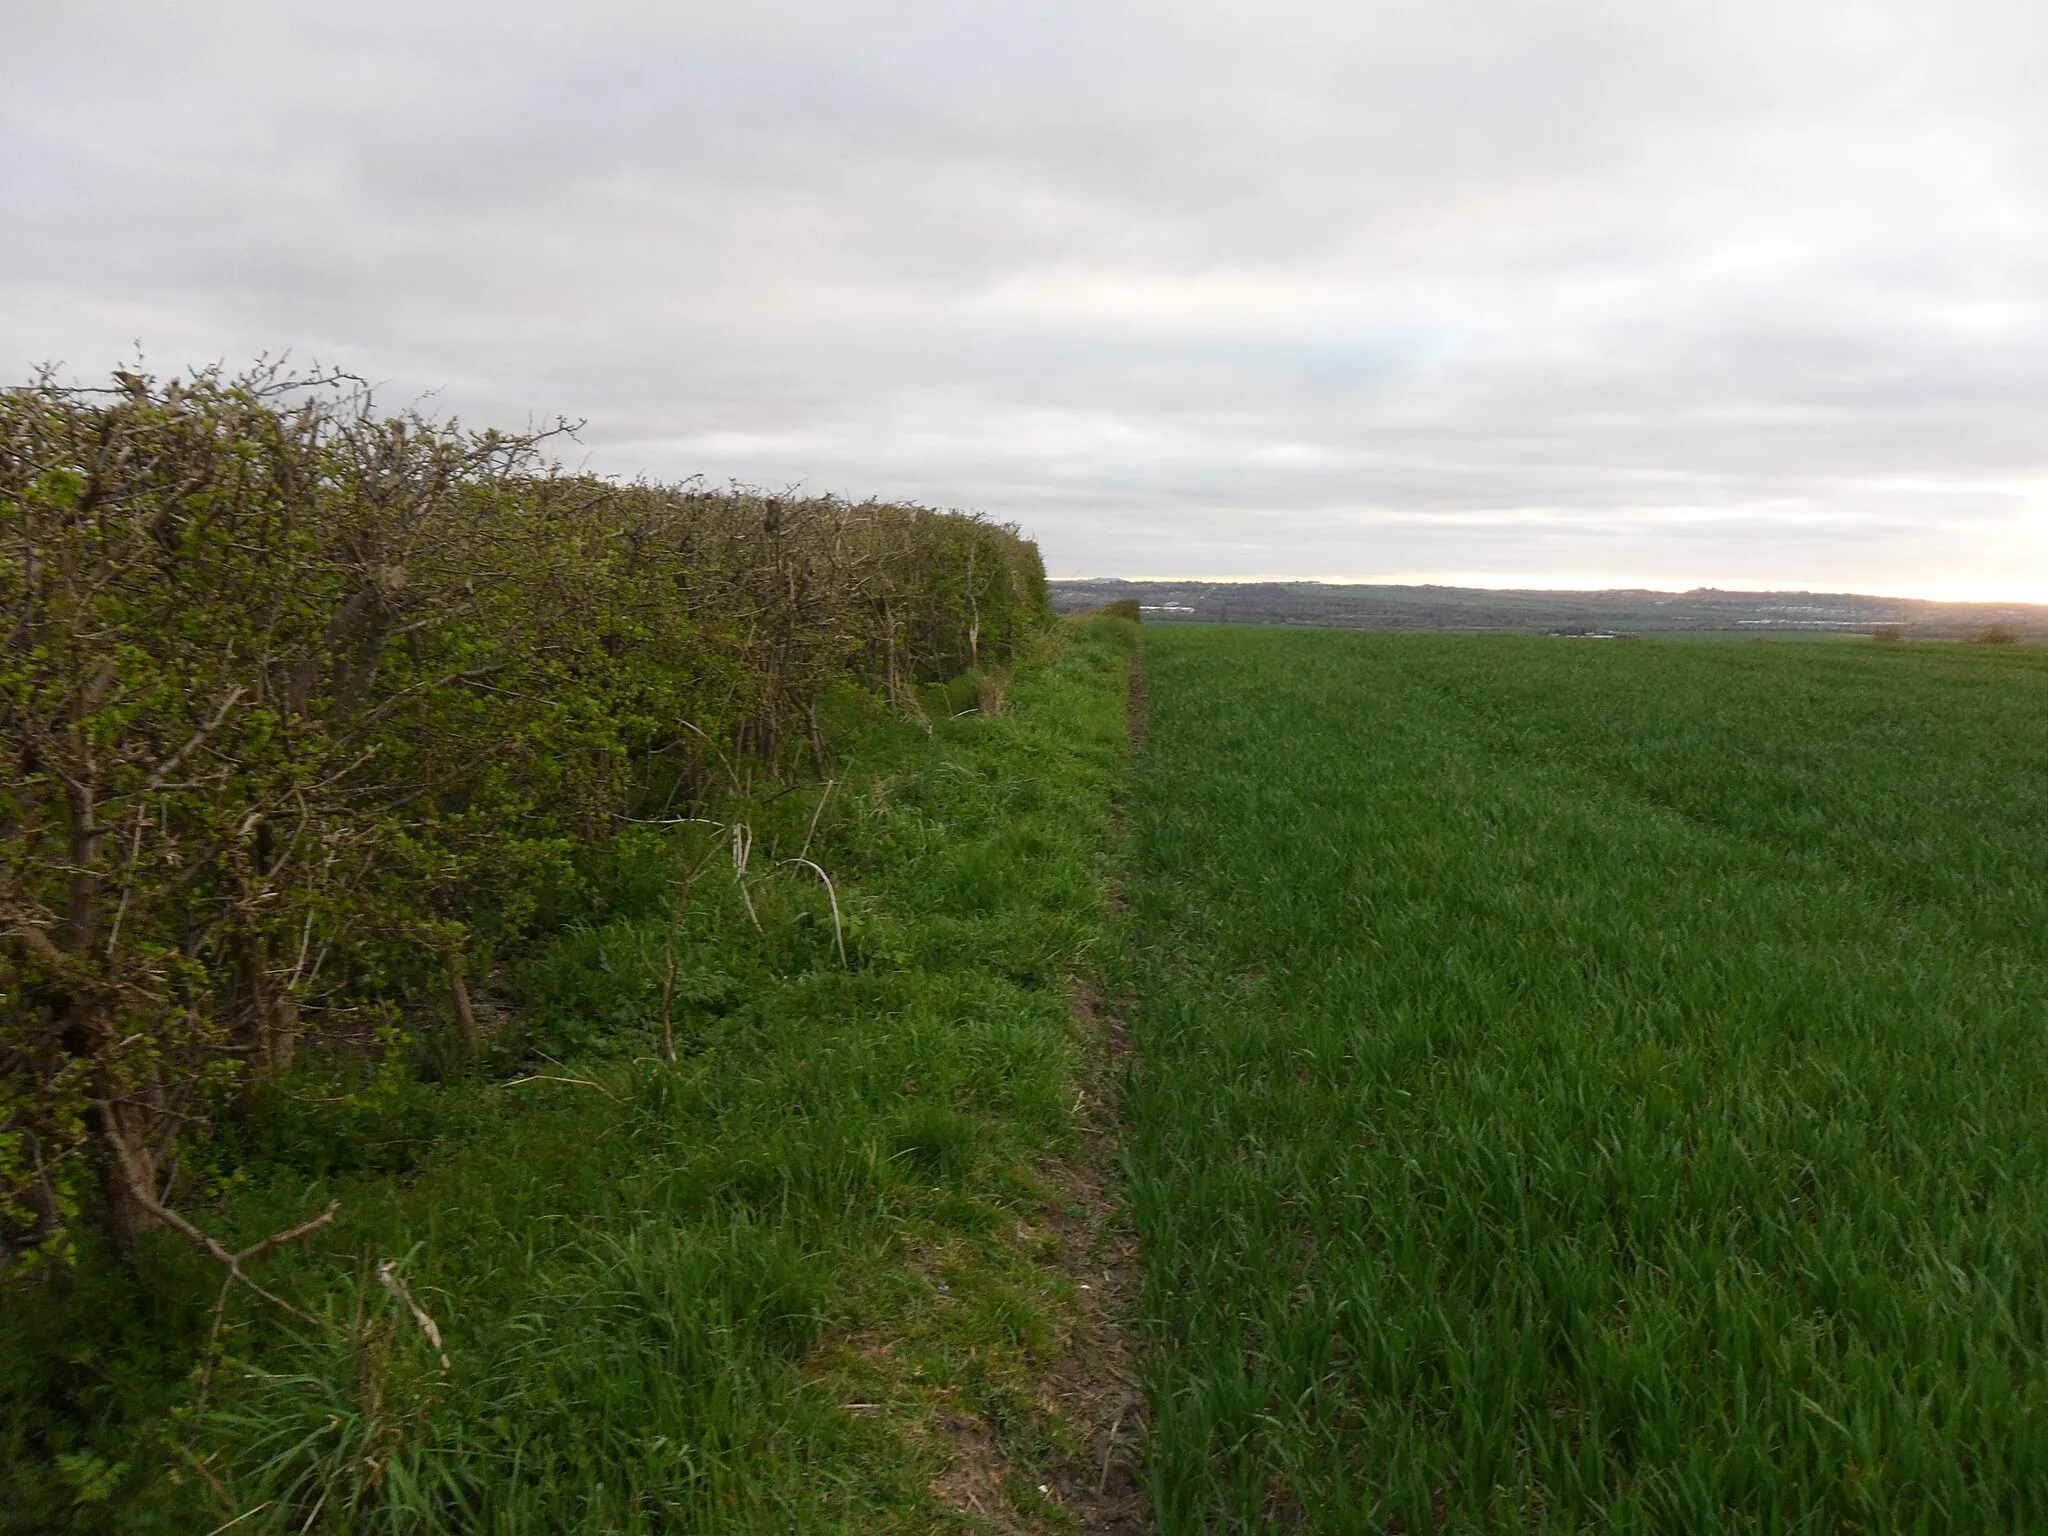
(291, 690)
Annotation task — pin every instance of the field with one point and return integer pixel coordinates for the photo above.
(1580, 1087)
(1592, 1087)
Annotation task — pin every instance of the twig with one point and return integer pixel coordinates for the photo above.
(128, 885)
(305, 943)
(668, 994)
(169, 764)
(742, 848)
(318, 1505)
(723, 761)
(1109, 1450)
(387, 1276)
(458, 992)
(241, 1517)
(580, 1082)
(838, 934)
(233, 1263)
(811, 830)
(211, 1481)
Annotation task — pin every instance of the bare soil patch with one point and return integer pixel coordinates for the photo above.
(1095, 1382)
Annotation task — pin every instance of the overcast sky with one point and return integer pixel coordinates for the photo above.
(1547, 294)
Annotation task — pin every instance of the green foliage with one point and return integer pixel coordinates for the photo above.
(305, 704)
(660, 1283)
(1593, 1088)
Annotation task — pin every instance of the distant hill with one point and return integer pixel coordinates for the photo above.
(1473, 610)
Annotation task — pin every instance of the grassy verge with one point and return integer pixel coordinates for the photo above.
(1593, 1088)
(762, 1286)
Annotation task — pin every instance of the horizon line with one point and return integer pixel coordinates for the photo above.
(1952, 598)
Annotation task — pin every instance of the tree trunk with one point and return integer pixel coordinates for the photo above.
(280, 1031)
(973, 615)
(270, 1033)
(458, 992)
(127, 1165)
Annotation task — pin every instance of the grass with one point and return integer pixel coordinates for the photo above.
(738, 1291)
(1593, 1088)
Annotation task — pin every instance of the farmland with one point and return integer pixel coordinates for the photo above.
(1592, 1087)
(1576, 1087)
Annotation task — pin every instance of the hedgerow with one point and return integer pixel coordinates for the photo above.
(301, 701)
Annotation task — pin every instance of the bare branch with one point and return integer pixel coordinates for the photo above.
(387, 1276)
(233, 1262)
(170, 764)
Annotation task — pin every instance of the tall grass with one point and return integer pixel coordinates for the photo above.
(734, 1291)
(1593, 1089)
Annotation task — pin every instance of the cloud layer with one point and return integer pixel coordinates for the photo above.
(1524, 293)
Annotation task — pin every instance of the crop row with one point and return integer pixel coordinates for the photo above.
(1593, 1089)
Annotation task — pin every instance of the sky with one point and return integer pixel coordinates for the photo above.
(1542, 293)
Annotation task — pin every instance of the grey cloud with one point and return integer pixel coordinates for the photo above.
(1541, 291)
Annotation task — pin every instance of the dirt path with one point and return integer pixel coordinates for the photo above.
(1096, 1382)
(1099, 1379)
(1092, 1386)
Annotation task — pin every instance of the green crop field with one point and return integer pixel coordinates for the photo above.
(1592, 1086)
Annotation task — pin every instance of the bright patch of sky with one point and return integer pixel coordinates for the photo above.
(1501, 292)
